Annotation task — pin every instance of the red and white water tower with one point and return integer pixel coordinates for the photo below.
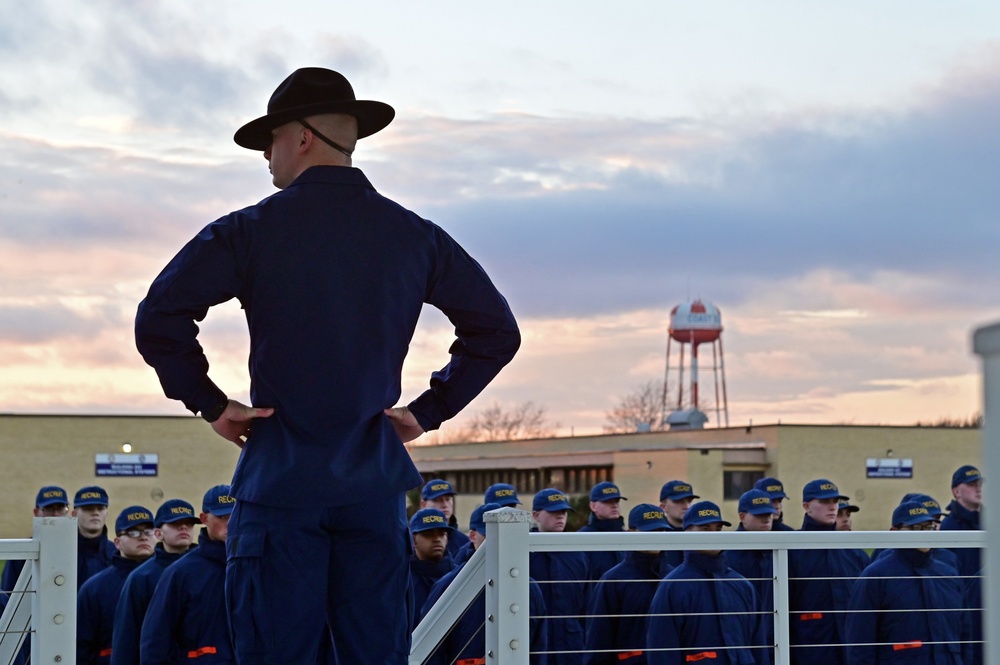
(691, 325)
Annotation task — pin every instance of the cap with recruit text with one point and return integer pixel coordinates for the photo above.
(965, 474)
(676, 490)
(821, 489)
(90, 496)
(909, 513)
(218, 502)
(550, 500)
(174, 510)
(756, 502)
(51, 495)
(647, 517)
(426, 519)
(772, 486)
(703, 512)
(437, 488)
(477, 522)
(131, 517)
(927, 501)
(605, 492)
(503, 494)
(844, 505)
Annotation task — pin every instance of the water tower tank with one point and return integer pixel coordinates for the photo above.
(695, 323)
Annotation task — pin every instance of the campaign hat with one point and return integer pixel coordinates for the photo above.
(435, 489)
(477, 521)
(503, 494)
(313, 91)
(676, 490)
(90, 496)
(551, 500)
(174, 510)
(647, 517)
(909, 513)
(605, 491)
(51, 495)
(131, 517)
(426, 519)
(773, 486)
(756, 502)
(821, 488)
(703, 512)
(965, 474)
(218, 501)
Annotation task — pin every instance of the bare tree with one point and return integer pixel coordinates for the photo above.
(496, 423)
(637, 410)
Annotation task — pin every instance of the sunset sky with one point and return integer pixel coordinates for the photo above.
(824, 173)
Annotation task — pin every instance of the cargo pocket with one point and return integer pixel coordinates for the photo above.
(245, 595)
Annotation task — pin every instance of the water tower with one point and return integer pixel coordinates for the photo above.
(691, 325)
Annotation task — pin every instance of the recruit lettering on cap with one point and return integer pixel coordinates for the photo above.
(90, 495)
(609, 490)
(919, 511)
(135, 517)
(505, 492)
(181, 510)
(931, 504)
(557, 497)
(761, 500)
(225, 498)
(708, 512)
(682, 488)
(653, 515)
(828, 486)
(440, 486)
(433, 519)
(51, 494)
(972, 472)
(775, 488)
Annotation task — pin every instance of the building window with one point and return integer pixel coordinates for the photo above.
(735, 483)
(572, 480)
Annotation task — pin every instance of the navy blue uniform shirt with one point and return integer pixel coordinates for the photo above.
(186, 620)
(962, 519)
(93, 555)
(423, 576)
(602, 562)
(564, 580)
(332, 277)
(758, 567)
(95, 611)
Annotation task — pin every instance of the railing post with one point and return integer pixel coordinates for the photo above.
(986, 343)
(782, 632)
(507, 628)
(53, 606)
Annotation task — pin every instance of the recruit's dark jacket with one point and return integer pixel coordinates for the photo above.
(608, 626)
(601, 562)
(95, 611)
(456, 542)
(962, 519)
(423, 576)
(811, 600)
(907, 636)
(564, 580)
(186, 620)
(465, 644)
(713, 607)
(132, 605)
(332, 277)
(93, 555)
(758, 567)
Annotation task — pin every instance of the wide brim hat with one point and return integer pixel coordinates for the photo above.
(313, 91)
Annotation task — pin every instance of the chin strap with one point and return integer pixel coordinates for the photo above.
(324, 139)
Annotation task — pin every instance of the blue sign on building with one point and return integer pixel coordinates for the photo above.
(889, 467)
(117, 464)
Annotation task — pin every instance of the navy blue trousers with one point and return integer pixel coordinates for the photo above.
(293, 572)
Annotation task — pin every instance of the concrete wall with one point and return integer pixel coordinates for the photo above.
(60, 450)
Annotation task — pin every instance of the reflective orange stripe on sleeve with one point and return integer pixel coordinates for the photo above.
(471, 661)
(704, 655)
(104, 652)
(203, 651)
(916, 644)
(811, 617)
(625, 655)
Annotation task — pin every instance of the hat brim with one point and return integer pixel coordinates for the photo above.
(372, 117)
(92, 502)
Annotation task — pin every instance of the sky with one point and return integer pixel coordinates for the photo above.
(824, 173)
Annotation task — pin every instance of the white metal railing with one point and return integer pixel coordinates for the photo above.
(506, 581)
(43, 601)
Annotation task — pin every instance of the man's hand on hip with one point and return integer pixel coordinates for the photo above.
(405, 424)
(234, 423)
